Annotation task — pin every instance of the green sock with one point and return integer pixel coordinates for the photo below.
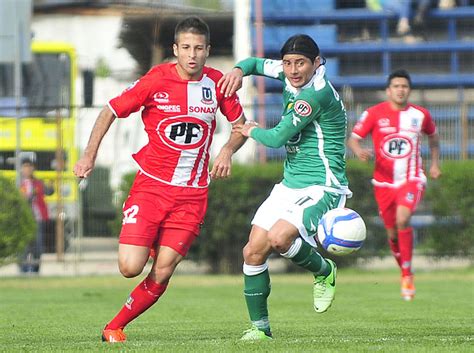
(309, 259)
(256, 291)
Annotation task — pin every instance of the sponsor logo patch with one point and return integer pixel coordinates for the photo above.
(161, 97)
(183, 132)
(169, 108)
(388, 130)
(303, 108)
(396, 146)
(203, 110)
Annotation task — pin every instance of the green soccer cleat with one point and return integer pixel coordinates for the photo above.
(254, 334)
(324, 289)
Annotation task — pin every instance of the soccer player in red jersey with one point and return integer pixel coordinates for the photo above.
(168, 199)
(399, 180)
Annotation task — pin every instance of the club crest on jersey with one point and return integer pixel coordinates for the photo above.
(183, 132)
(161, 97)
(302, 108)
(396, 146)
(207, 96)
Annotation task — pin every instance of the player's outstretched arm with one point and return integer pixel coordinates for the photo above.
(222, 166)
(363, 154)
(85, 164)
(435, 171)
(231, 82)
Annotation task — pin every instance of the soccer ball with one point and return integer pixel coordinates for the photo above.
(341, 231)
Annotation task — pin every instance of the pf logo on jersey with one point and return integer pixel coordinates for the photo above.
(183, 132)
(302, 108)
(396, 146)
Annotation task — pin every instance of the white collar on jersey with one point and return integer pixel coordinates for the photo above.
(317, 81)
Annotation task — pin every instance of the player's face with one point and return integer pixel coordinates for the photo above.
(27, 170)
(398, 91)
(298, 69)
(191, 50)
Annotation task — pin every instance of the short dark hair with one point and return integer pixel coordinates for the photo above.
(399, 73)
(300, 44)
(193, 25)
(27, 161)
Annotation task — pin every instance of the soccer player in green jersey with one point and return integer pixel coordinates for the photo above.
(313, 130)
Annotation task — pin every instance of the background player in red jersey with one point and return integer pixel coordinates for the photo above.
(399, 181)
(34, 190)
(168, 199)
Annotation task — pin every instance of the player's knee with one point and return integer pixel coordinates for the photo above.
(403, 222)
(129, 272)
(251, 256)
(278, 242)
(130, 269)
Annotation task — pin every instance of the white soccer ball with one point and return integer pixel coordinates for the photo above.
(341, 231)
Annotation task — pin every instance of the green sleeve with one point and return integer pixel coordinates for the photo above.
(251, 66)
(290, 124)
(262, 67)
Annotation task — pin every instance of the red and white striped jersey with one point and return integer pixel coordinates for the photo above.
(180, 119)
(396, 136)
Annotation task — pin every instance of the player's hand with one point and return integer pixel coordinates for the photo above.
(435, 172)
(246, 128)
(221, 168)
(231, 82)
(364, 154)
(83, 167)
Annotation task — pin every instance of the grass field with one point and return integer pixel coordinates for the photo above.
(208, 314)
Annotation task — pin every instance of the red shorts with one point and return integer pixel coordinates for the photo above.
(153, 207)
(408, 195)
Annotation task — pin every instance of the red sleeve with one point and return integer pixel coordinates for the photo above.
(133, 97)
(231, 108)
(429, 126)
(365, 125)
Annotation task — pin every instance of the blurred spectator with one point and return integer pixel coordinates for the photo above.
(34, 191)
(403, 8)
(446, 4)
(400, 7)
(421, 10)
(423, 6)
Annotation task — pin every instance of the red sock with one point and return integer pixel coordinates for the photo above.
(395, 250)
(405, 241)
(143, 296)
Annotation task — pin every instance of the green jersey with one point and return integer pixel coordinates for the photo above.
(312, 128)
